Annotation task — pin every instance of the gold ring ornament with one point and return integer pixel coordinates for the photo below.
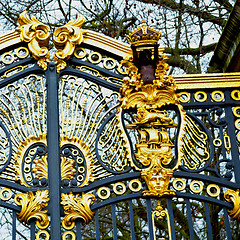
(7, 58)
(213, 190)
(47, 236)
(72, 234)
(237, 124)
(102, 189)
(91, 56)
(4, 196)
(217, 96)
(179, 184)
(235, 94)
(200, 96)
(137, 183)
(236, 112)
(112, 63)
(22, 52)
(217, 142)
(196, 186)
(184, 97)
(78, 51)
(119, 184)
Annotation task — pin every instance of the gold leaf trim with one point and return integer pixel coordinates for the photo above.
(76, 207)
(65, 38)
(37, 35)
(32, 206)
(234, 197)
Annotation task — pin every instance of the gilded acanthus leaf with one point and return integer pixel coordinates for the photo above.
(37, 35)
(76, 207)
(65, 38)
(234, 197)
(32, 205)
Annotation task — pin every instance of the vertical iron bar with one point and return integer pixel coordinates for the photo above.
(228, 228)
(14, 225)
(149, 217)
(78, 230)
(97, 225)
(54, 175)
(170, 212)
(32, 230)
(190, 223)
(131, 219)
(208, 220)
(114, 222)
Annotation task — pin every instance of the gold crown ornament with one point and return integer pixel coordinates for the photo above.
(144, 35)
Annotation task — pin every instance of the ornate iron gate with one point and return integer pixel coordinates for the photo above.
(102, 144)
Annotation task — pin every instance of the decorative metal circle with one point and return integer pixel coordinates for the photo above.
(179, 184)
(135, 189)
(29, 178)
(115, 188)
(184, 97)
(195, 189)
(217, 93)
(237, 125)
(213, 190)
(200, 96)
(75, 152)
(80, 178)
(22, 49)
(27, 160)
(32, 151)
(42, 232)
(235, 94)
(238, 136)
(217, 142)
(27, 169)
(235, 111)
(9, 195)
(113, 64)
(72, 234)
(81, 169)
(7, 61)
(79, 160)
(120, 69)
(92, 54)
(77, 50)
(100, 195)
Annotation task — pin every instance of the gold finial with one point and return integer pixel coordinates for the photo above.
(144, 35)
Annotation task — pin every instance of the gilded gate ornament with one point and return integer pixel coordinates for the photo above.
(76, 207)
(32, 207)
(37, 35)
(234, 197)
(65, 38)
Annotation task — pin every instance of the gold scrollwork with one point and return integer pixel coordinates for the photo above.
(160, 214)
(4, 196)
(179, 184)
(69, 233)
(184, 97)
(65, 39)
(235, 94)
(32, 205)
(196, 186)
(41, 233)
(102, 190)
(37, 35)
(200, 96)
(135, 185)
(76, 207)
(117, 185)
(213, 190)
(233, 196)
(217, 96)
